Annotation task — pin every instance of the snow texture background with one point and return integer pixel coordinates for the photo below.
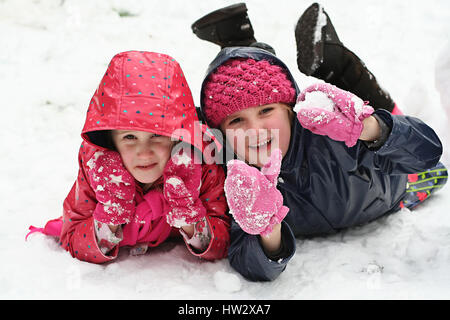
(53, 55)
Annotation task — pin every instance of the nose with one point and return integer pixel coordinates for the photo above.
(255, 124)
(257, 130)
(145, 150)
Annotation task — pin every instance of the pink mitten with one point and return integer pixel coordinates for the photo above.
(327, 110)
(182, 181)
(252, 196)
(114, 188)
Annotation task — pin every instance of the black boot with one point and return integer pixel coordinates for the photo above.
(228, 27)
(321, 54)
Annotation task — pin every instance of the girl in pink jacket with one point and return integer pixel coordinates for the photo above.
(141, 179)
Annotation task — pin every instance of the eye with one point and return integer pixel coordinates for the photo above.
(266, 110)
(234, 121)
(129, 137)
(156, 135)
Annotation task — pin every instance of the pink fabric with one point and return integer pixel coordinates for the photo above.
(254, 201)
(240, 84)
(51, 228)
(149, 224)
(145, 91)
(397, 110)
(343, 122)
(114, 188)
(182, 180)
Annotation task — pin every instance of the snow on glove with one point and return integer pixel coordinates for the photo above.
(182, 181)
(255, 202)
(327, 110)
(114, 188)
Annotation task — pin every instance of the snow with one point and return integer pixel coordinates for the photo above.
(183, 159)
(227, 281)
(358, 105)
(321, 22)
(117, 180)
(93, 161)
(315, 99)
(174, 181)
(54, 53)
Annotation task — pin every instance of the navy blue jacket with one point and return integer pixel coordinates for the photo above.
(328, 186)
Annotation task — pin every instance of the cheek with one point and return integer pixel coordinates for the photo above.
(237, 142)
(127, 157)
(164, 153)
(280, 130)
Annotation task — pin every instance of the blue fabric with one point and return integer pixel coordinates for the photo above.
(246, 254)
(328, 186)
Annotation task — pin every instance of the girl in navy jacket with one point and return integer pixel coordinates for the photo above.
(321, 170)
(333, 165)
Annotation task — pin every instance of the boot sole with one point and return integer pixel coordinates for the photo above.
(309, 39)
(219, 15)
(228, 26)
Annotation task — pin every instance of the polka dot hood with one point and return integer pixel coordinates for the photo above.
(140, 91)
(144, 91)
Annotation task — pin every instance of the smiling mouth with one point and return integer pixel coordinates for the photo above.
(261, 144)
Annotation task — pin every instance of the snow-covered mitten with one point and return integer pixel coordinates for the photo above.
(182, 182)
(114, 188)
(255, 202)
(327, 110)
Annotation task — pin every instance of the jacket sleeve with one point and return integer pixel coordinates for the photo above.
(246, 254)
(213, 198)
(78, 234)
(412, 145)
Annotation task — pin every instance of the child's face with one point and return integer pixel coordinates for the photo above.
(144, 154)
(254, 132)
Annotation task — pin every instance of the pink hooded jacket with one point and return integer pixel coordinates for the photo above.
(148, 92)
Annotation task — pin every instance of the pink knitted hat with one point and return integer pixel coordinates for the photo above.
(243, 83)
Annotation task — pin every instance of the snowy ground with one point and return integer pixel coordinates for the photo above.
(54, 53)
